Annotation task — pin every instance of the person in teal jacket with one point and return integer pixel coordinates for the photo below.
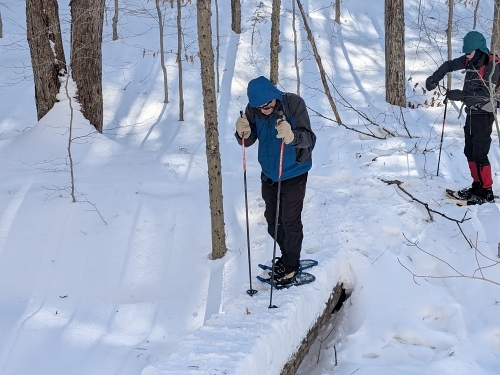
(271, 117)
(479, 108)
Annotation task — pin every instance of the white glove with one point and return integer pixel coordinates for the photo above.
(285, 131)
(243, 127)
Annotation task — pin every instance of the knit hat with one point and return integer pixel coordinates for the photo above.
(474, 40)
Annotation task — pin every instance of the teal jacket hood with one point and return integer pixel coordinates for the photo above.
(261, 91)
(474, 40)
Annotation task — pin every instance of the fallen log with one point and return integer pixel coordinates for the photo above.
(296, 359)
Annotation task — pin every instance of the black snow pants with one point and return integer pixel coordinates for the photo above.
(290, 233)
(477, 132)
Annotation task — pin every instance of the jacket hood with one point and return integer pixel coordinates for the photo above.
(261, 91)
(474, 40)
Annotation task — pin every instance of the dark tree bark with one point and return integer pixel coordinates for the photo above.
(115, 22)
(275, 41)
(1, 26)
(236, 16)
(337, 11)
(204, 13)
(43, 28)
(87, 18)
(395, 53)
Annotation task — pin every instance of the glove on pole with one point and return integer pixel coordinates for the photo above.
(250, 291)
(442, 134)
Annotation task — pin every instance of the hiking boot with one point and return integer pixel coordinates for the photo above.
(467, 193)
(286, 279)
(279, 269)
(482, 196)
(489, 196)
(486, 194)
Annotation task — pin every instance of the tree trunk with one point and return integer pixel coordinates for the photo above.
(43, 29)
(87, 18)
(179, 58)
(495, 37)
(211, 132)
(217, 48)
(476, 8)
(162, 52)
(115, 22)
(295, 46)
(1, 26)
(395, 53)
(337, 11)
(320, 63)
(236, 16)
(275, 41)
(448, 38)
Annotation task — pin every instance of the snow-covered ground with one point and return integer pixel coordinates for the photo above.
(121, 282)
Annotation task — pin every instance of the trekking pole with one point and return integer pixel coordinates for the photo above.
(271, 306)
(445, 101)
(250, 291)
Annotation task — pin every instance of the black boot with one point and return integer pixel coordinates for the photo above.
(468, 193)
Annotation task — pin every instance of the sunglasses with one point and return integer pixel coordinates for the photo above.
(266, 106)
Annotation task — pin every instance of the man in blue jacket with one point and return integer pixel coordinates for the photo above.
(272, 117)
(476, 95)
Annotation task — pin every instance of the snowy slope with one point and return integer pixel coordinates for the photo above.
(121, 282)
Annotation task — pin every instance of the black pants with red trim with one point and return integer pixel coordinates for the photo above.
(290, 229)
(477, 132)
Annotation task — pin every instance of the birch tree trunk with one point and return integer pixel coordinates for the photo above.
(395, 53)
(87, 18)
(162, 52)
(275, 41)
(43, 29)
(236, 16)
(179, 59)
(211, 132)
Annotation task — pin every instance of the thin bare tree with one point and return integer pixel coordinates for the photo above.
(46, 49)
(211, 131)
(448, 38)
(476, 8)
(395, 53)
(1, 26)
(115, 22)
(275, 41)
(162, 52)
(295, 46)
(179, 59)
(495, 36)
(320, 64)
(87, 18)
(337, 11)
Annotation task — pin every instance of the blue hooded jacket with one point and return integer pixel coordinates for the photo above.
(290, 107)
